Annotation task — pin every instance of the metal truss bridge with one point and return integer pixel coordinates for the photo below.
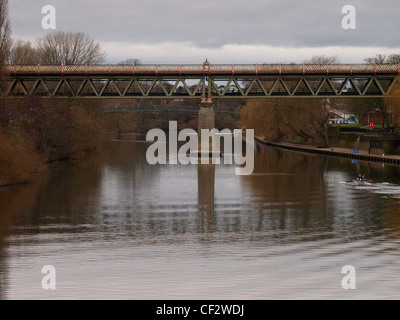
(206, 81)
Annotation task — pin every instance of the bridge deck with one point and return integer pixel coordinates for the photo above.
(201, 70)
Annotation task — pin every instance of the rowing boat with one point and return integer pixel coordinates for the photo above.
(363, 182)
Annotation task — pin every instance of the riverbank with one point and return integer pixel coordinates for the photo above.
(334, 152)
(35, 134)
(19, 162)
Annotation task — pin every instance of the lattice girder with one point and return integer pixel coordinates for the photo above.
(215, 86)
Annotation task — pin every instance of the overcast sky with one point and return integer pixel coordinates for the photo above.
(224, 31)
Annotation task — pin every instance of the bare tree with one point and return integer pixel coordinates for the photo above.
(283, 120)
(134, 61)
(322, 59)
(5, 38)
(393, 59)
(69, 48)
(380, 58)
(23, 53)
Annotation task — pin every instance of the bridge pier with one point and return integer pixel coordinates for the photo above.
(206, 120)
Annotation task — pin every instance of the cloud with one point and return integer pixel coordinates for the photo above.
(248, 30)
(188, 53)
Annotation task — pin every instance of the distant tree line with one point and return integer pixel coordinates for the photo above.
(382, 58)
(68, 48)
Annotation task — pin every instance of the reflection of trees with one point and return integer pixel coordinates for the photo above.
(280, 173)
(15, 202)
(391, 220)
(300, 194)
(74, 192)
(126, 173)
(291, 190)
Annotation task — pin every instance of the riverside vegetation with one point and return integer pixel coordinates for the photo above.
(36, 132)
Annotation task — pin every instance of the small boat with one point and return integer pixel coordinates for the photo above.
(362, 182)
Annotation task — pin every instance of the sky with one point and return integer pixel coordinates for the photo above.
(222, 31)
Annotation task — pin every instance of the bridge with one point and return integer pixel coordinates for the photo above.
(204, 81)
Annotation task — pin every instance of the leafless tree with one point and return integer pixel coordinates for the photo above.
(393, 59)
(134, 61)
(322, 59)
(5, 38)
(23, 53)
(69, 48)
(380, 58)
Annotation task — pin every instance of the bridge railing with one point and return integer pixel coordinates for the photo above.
(305, 69)
(214, 69)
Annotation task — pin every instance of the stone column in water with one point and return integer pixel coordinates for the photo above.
(206, 120)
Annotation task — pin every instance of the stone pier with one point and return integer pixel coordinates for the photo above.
(206, 120)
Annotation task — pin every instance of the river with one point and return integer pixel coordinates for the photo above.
(115, 227)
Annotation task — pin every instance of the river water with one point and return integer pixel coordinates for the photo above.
(115, 227)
